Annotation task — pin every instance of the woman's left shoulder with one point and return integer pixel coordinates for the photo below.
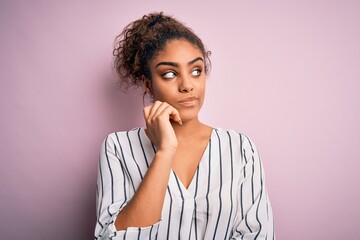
(234, 136)
(227, 133)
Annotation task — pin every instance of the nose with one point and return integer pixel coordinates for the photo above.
(186, 85)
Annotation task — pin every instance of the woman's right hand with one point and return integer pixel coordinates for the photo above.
(158, 117)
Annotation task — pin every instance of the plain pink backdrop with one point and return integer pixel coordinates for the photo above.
(286, 73)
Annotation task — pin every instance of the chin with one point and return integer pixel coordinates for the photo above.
(188, 115)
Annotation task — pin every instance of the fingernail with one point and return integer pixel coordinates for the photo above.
(180, 122)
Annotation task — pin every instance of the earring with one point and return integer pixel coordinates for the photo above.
(150, 94)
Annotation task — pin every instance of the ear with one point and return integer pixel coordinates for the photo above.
(147, 85)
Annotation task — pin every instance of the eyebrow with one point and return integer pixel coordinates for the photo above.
(174, 64)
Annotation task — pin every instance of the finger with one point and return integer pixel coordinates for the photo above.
(175, 115)
(146, 111)
(160, 109)
(170, 112)
(149, 112)
(153, 109)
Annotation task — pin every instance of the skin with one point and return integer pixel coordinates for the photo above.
(173, 126)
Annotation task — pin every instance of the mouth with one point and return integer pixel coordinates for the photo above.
(190, 101)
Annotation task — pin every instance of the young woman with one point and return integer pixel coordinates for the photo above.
(178, 178)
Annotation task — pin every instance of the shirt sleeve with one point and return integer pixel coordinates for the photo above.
(112, 195)
(254, 218)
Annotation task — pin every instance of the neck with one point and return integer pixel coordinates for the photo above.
(187, 129)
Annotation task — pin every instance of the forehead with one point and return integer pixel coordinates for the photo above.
(178, 50)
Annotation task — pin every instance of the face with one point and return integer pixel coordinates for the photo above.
(178, 78)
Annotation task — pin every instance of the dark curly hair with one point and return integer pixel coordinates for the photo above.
(142, 40)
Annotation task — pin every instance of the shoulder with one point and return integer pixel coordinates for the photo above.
(235, 138)
(228, 133)
(119, 136)
(225, 132)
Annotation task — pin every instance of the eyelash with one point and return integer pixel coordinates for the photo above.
(198, 70)
(164, 75)
(169, 72)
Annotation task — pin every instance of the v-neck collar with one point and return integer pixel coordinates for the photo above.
(174, 180)
(193, 186)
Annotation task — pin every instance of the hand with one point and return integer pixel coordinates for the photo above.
(158, 117)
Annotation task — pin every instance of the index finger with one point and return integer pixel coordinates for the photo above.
(174, 115)
(146, 111)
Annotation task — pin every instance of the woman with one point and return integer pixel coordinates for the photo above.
(178, 178)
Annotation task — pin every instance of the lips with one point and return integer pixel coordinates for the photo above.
(190, 101)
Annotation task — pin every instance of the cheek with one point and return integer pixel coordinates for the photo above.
(163, 93)
(201, 87)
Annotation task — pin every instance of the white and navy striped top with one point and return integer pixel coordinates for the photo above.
(226, 198)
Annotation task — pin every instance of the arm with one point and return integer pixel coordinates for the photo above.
(152, 189)
(132, 218)
(151, 192)
(254, 219)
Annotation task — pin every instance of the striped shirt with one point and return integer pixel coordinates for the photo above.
(226, 198)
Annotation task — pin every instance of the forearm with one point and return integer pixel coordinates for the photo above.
(144, 209)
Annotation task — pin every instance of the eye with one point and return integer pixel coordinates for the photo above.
(169, 75)
(196, 72)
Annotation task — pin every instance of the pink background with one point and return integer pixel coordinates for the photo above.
(286, 73)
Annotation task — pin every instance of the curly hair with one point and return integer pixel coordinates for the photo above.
(142, 40)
